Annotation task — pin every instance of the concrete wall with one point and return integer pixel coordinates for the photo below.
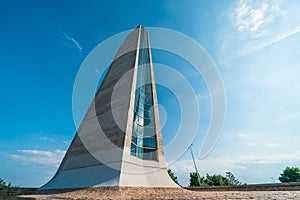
(138, 172)
(95, 155)
(99, 154)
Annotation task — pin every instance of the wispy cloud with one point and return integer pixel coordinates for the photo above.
(250, 18)
(279, 38)
(250, 144)
(228, 163)
(212, 165)
(265, 44)
(67, 142)
(242, 135)
(48, 139)
(72, 40)
(256, 25)
(40, 157)
(274, 144)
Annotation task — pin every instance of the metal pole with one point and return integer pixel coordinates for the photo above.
(190, 147)
(273, 179)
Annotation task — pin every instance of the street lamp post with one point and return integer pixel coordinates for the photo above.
(190, 147)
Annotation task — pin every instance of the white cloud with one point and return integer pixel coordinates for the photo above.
(250, 144)
(67, 142)
(72, 40)
(278, 38)
(266, 43)
(268, 140)
(257, 25)
(46, 139)
(49, 158)
(242, 135)
(274, 144)
(249, 18)
(229, 163)
(212, 165)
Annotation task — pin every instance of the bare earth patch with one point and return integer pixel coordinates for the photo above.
(159, 193)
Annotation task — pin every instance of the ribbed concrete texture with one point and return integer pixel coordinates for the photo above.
(104, 151)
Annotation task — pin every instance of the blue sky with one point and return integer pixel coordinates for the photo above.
(255, 46)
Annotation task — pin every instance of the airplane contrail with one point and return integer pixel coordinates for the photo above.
(266, 44)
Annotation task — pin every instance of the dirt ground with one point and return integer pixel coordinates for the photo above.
(161, 193)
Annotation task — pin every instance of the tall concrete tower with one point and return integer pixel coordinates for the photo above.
(119, 142)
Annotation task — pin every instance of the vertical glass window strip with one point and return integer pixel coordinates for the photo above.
(143, 141)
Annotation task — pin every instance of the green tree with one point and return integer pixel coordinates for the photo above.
(216, 180)
(3, 184)
(232, 179)
(194, 179)
(173, 177)
(290, 174)
(213, 180)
